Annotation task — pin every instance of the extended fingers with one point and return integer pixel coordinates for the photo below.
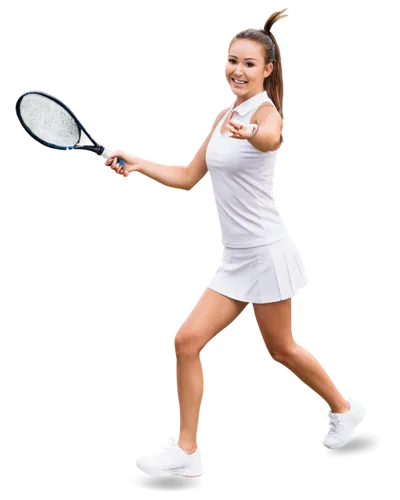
(235, 134)
(232, 129)
(235, 127)
(241, 131)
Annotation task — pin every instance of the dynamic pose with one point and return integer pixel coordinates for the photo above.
(260, 263)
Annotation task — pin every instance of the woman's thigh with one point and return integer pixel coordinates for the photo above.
(212, 313)
(275, 322)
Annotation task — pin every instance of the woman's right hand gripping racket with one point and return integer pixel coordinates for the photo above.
(131, 163)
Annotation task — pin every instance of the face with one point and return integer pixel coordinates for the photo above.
(246, 62)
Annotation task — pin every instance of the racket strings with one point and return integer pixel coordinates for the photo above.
(49, 121)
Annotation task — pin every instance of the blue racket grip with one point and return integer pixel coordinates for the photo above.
(106, 154)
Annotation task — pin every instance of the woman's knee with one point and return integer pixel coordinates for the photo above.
(187, 343)
(282, 353)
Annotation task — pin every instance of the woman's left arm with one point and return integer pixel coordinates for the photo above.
(270, 129)
(270, 124)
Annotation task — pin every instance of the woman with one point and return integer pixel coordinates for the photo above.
(260, 263)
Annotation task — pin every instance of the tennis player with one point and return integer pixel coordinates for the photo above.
(260, 263)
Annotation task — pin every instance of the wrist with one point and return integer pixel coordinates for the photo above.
(141, 165)
(255, 130)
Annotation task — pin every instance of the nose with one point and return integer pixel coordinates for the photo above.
(238, 75)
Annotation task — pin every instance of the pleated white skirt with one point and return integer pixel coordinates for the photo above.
(268, 273)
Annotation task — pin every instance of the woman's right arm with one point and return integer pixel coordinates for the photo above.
(168, 175)
(171, 176)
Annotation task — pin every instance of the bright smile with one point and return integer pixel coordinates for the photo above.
(239, 84)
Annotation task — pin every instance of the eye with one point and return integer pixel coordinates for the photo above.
(234, 61)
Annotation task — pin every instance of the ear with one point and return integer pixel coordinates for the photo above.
(268, 69)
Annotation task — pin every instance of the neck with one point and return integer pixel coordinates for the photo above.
(240, 99)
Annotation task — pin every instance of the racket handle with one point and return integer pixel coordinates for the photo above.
(107, 153)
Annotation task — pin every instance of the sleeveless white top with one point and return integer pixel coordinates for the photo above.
(242, 179)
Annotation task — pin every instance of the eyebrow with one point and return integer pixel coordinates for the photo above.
(231, 55)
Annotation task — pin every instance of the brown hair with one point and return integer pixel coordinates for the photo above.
(273, 84)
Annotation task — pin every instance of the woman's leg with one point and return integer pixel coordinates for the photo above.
(274, 320)
(211, 314)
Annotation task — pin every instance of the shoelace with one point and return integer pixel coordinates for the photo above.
(335, 422)
(171, 442)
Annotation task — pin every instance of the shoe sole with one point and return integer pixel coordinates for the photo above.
(192, 470)
(175, 473)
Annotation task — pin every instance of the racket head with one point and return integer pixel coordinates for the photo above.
(50, 122)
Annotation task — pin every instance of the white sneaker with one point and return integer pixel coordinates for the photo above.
(343, 425)
(172, 461)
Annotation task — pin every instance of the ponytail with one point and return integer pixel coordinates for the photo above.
(273, 83)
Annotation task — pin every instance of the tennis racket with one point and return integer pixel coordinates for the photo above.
(53, 124)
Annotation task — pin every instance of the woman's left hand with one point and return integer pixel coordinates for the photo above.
(239, 130)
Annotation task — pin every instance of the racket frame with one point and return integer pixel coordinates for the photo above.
(96, 148)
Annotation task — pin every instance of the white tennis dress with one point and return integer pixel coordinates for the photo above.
(260, 262)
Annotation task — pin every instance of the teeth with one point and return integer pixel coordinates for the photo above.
(238, 81)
